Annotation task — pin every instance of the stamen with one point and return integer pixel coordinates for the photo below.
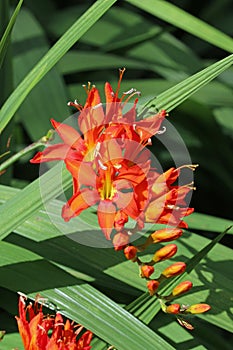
(172, 207)
(103, 167)
(88, 87)
(22, 295)
(59, 324)
(129, 91)
(39, 326)
(117, 166)
(190, 186)
(121, 73)
(189, 166)
(96, 151)
(149, 142)
(130, 96)
(97, 106)
(75, 104)
(160, 132)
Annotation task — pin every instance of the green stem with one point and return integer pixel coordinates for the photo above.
(20, 154)
(42, 142)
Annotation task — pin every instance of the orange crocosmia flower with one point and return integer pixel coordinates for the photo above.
(76, 147)
(107, 159)
(115, 186)
(34, 327)
(167, 203)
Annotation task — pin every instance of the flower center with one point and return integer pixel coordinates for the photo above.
(107, 191)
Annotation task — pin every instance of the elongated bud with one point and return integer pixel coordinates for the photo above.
(173, 309)
(152, 286)
(174, 270)
(164, 235)
(198, 308)
(130, 252)
(120, 240)
(182, 288)
(146, 271)
(165, 253)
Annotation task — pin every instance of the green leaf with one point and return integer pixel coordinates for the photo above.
(11, 340)
(105, 318)
(47, 98)
(22, 206)
(174, 96)
(51, 58)
(181, 19)
(75, 299)
(6, 36)
(205, 222)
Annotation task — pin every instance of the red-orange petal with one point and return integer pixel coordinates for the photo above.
(79, 202)
(106, 216)
(68, 134)
(51, 153)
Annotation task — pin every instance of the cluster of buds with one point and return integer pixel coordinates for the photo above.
(147, 269)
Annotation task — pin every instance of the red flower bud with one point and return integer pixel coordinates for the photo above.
(152, 286)
(173, 309)
(130, 252)
(198, 308)
(146, 271)
(181, 288)
(165, 253)
(120, 240)
(174, 270)
(120, 219)
(165, 235)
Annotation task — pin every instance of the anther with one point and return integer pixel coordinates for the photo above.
(129, 91)
(97, 106)
(160, 132)
(189, 166)
(103, 167)
(172, 207)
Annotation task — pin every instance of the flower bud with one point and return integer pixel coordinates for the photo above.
(181, 288)
(146, 271)
(120, 219)
(164, 235)
(152, 286)
(120, 240)
(198, 308)
(165, 253)
(173, 309)
(174, 270)
(130, 252)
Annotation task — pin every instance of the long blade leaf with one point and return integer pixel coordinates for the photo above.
(51, 58)
(181, 19)
(177, 94)
(6, 36)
